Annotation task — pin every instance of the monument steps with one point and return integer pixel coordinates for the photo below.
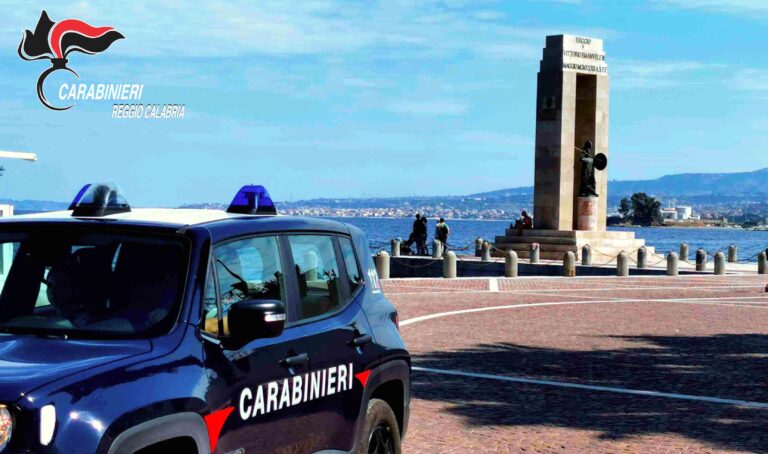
(617, 234)
(608, 242)
(548, 247)
(599, 256)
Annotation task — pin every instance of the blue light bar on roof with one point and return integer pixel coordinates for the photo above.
(99, 199)
(252, 199)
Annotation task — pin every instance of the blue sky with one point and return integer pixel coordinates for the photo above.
(376, 98)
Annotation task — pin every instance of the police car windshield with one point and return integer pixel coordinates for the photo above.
(89, 284)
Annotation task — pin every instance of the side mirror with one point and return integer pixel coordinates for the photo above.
(255, 319)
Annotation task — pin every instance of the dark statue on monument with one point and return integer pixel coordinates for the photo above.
(589, 162)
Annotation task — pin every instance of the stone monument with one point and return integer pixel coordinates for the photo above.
(570, 200)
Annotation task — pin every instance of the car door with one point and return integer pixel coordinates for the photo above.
(247, 384)
(338, 337)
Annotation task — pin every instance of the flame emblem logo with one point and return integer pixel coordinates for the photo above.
(56, 40)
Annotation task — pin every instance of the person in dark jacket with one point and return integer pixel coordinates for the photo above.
(423, 249)
(418, 234)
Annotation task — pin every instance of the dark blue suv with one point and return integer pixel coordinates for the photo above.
(195, 331)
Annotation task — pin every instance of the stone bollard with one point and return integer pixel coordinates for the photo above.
(701, 260)
(395, 247)
(762, 263)
(586, 255)
(486, 252)
(449, 265)
(533, 251)
(733, 254)
(719, 263)
(672, 264)
(684, 252)
(310, 259)
(510, 264)
(622, 264)
(569, 264)
(642, 255)
(478, 247)
(437, 249)
(382, 265)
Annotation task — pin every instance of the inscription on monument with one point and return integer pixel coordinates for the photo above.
(583, 55)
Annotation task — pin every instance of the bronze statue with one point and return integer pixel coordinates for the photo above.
(589, 162)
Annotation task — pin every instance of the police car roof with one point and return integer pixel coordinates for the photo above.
(176, 218)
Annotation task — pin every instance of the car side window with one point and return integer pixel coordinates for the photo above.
(248, 269)
(317, 274)
(354, 277)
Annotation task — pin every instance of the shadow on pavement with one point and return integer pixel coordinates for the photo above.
(733, 366)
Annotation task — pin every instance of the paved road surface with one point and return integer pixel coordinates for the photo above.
(594, 365)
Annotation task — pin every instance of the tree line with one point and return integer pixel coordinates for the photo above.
(641, 209)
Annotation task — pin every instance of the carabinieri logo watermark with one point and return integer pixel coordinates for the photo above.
(54, 41)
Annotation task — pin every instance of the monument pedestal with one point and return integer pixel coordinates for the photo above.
(586, 209)
(553, 244)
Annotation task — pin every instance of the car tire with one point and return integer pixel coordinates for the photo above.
(381, 433)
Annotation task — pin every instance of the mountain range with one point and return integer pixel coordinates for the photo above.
(678, 185)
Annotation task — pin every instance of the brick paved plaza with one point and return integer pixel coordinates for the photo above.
(586, 346)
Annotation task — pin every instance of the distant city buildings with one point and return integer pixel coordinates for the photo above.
(699, 210)
(679, 213)
(431, 212)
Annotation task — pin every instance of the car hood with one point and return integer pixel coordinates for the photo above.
(28, 362)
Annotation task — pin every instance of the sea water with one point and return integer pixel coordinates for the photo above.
(665, 239)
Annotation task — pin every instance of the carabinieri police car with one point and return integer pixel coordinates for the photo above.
(194, 331)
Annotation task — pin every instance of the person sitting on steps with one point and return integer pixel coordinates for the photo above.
(524, 223)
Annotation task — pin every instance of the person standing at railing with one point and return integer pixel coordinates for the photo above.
(441, 232)
(422, 246)
(418, 235)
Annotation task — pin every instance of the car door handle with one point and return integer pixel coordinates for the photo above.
(361, 340)
(295, 361)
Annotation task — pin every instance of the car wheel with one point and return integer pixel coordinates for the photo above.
(381, 434)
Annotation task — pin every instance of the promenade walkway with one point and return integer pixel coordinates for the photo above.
(593, 365)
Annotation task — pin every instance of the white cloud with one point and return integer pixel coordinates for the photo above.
(432, 107)
(658, 74)
(750, 79)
